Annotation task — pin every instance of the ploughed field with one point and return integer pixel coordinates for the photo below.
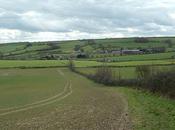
(58, 99)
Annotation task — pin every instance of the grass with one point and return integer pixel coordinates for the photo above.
(6, 48)
(149, 62)
(157, 56)
(20, 87)
(129, 43)
(150, 112)
(30, 64)
(125, 72)
(124, 64)
(63, 63)
(68, 46)
(33, 48)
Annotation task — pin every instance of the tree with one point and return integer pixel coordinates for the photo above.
(28, 45)
(91, 42)
(141, 40)
(77, 47)
(121, 51)
(82, 50)
(105, 75)
(1, 55)
(158, 49)
(143, 72)
(71, 65)
(54, 45)
(169, 42)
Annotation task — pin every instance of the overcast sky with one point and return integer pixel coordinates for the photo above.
(39, 20)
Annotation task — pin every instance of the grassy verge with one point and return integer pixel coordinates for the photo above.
(150, 112)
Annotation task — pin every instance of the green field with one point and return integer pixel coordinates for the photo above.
(82, 63)
(125, 72)
(59, 99)
(158, 56)
(26, 86)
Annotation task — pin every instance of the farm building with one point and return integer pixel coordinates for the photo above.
(130, 52)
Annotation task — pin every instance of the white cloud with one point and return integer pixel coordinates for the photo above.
(31, 20)
(172, 15)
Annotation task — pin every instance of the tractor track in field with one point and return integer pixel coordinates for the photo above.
(50, 100)
(38, 102)
(42, 104)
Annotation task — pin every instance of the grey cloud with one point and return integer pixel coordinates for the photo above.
(90, 16)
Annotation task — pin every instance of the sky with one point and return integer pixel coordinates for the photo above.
(50, 20)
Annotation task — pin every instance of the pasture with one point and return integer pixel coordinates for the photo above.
(143, 57)
(78, 63)
(124, 72)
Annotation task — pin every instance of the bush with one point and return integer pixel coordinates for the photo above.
(163, 82)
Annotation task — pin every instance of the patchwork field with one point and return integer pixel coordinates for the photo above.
(58, 99)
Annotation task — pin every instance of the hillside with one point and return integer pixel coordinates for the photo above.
(90, 49)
